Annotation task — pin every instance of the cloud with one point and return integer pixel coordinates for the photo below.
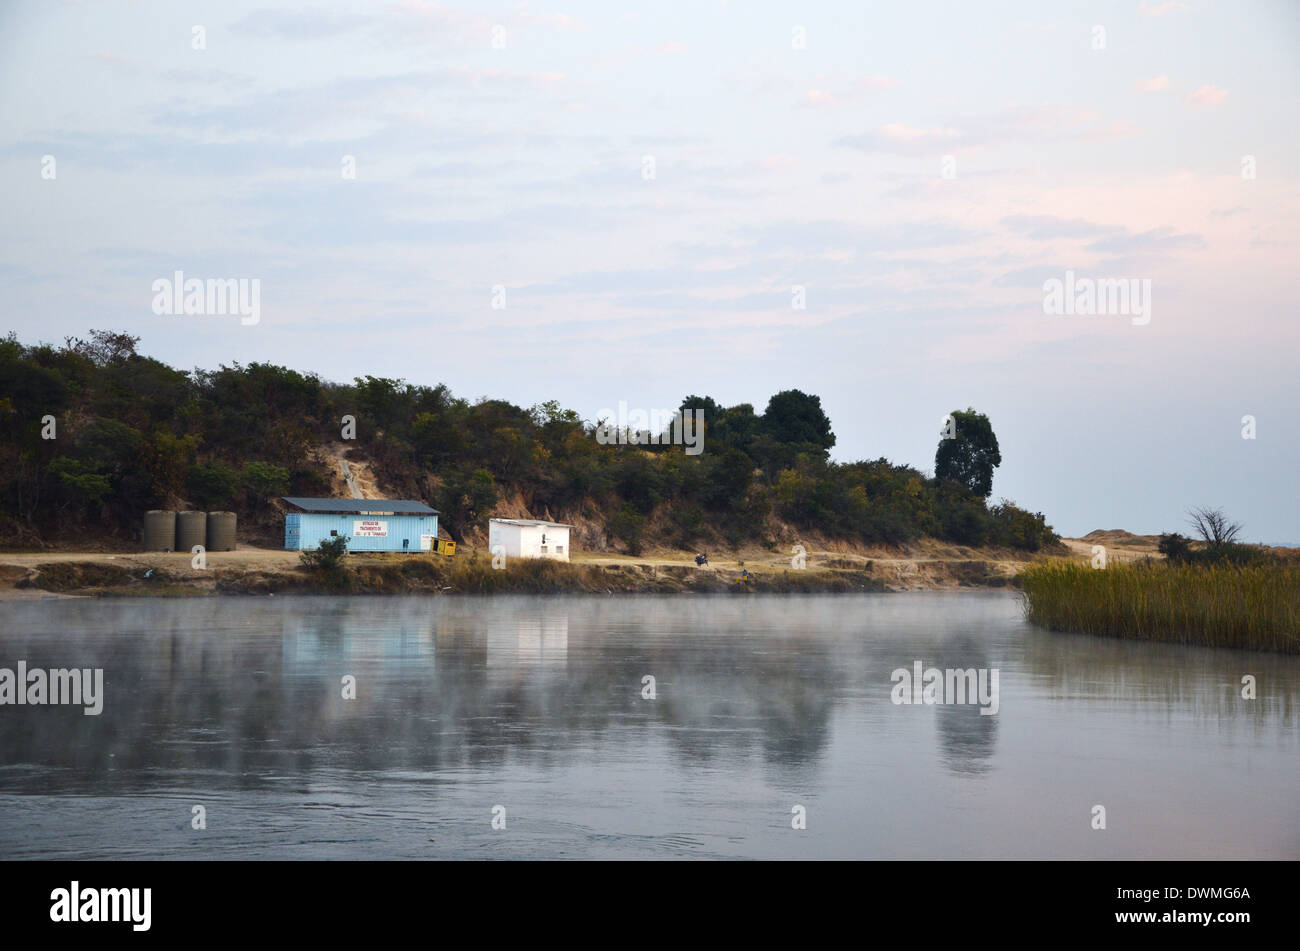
(1135, 250)
(406, 22)
(776, 163)
(112, 59)
(1154, 84)
(345, 108)
(1207, 96)
(904, 139)
(897, 132)
(1048, 123)
(305, 25)
(833, 91)
(810, 238)
(1049, 227)
(1156, 239)
(1027, 276)
(1161, 9)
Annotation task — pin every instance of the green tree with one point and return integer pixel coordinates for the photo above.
(104, 347)
(85, 485)
(464, 500)
(795, 418)
(730, 473)
(713, 412)
(263, 480)
(737, 427)
(629, 524)
(213, 485)
(971, 454)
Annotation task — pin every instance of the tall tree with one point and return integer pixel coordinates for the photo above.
(970, 454)
(793, 417)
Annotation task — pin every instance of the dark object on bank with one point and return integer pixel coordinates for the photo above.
(159, 530)
(701, 560)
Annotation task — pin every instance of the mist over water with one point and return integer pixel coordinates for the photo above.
(535, 704)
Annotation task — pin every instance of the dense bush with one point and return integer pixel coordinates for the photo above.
(134, 434)
(1175, 547)
(328, 556)
(1013, 527)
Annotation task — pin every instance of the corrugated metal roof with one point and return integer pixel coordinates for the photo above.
(358, 506)
(530, 521)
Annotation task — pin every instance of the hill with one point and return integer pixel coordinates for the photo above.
(97, 433)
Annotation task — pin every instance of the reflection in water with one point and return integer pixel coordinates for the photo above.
(435, 688)
(529, 642)
(1197, 682)
(760, 702)
(966, 737)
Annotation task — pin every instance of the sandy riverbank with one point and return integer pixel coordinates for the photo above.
(927, 565)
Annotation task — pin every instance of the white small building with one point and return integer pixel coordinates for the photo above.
(528, 538)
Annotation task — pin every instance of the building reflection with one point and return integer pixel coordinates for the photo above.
(255, 695)
(529, 641)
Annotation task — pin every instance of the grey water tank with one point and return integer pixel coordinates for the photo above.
(159, 530)
(191, 530)
(221, 531)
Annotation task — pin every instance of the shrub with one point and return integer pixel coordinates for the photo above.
(1013, 527)
(1175, 547)
(263, 480)
(328, 556)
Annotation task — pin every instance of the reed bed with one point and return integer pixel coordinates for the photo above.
(1246, 607)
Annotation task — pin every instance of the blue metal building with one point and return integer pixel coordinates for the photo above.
(369, 524)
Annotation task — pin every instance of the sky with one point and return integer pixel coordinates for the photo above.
(595, 203)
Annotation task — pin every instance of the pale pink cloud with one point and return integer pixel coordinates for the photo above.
(1048, 123)
(1207, 96)
(897, 132)
(1155, 84)
(774, 163)
(836, 90)
(556, 21)
(877, 82)
(671, 49)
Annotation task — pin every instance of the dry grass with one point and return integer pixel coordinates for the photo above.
(1250, 608)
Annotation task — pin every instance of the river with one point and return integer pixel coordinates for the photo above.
(527, 727)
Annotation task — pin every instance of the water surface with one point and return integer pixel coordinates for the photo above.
(536, 705)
